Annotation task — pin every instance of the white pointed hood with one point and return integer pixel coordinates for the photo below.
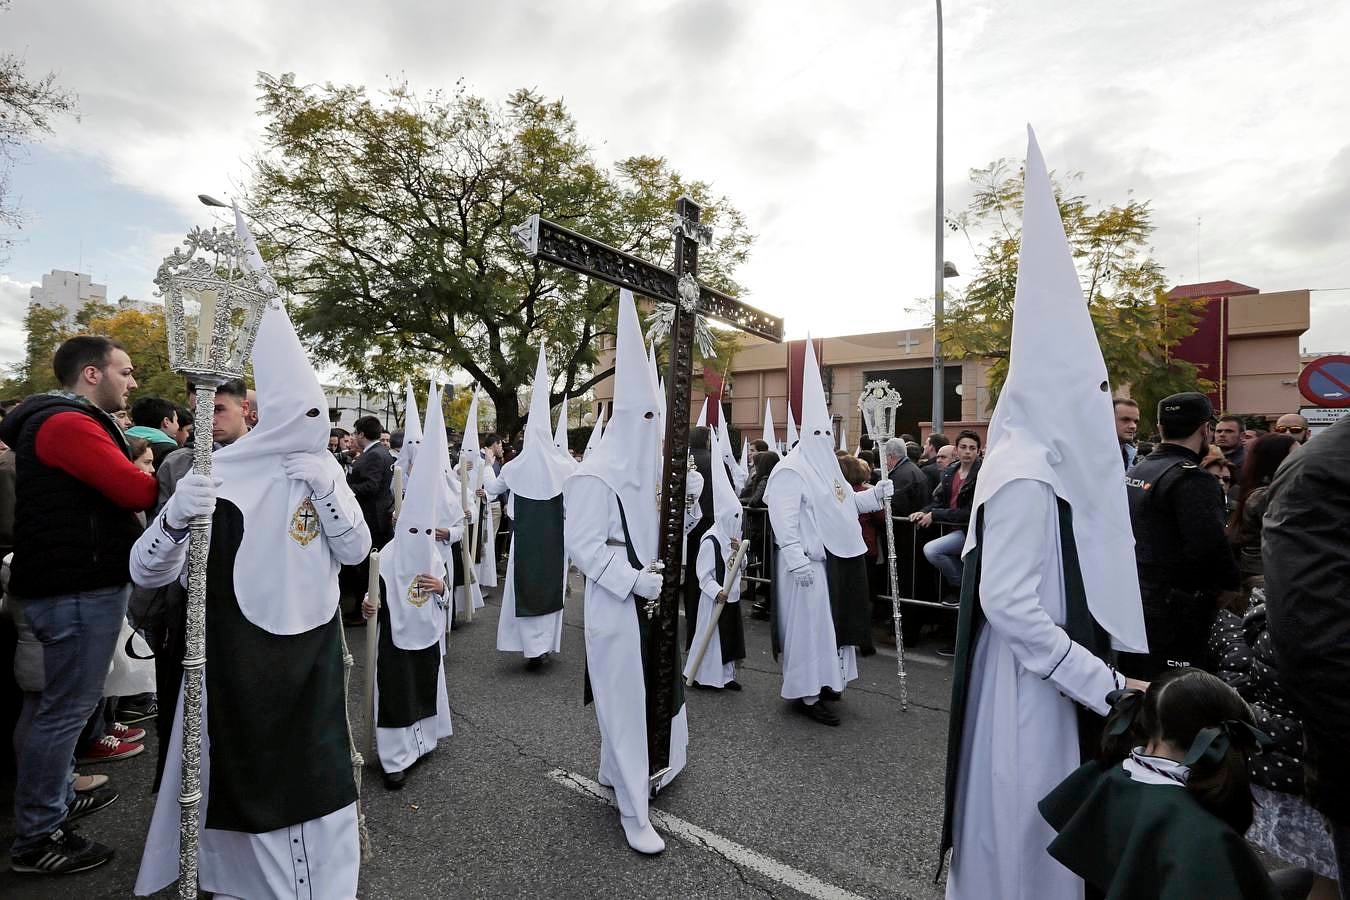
(538, 471)
(416, 619)
(843, 436)
(770, 436)
(470, 454)
(728, 452)
(703, 414)
(815, 464)
(628, 460)
(560, 434)
(597, 433)
(745, 455)
(1054, 421)
(727, 512)
(412, 433)
(285, 577)
(792, 436)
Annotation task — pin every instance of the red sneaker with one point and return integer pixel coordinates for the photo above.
(107, 749)
(127, 733)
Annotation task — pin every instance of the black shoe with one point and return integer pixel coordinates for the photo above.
(90, 802)
(946, 652)
(759, 610)
(137, 709)
(535, 663)
(818, 712)
(829, 693)
(61, 853)
(732, 685)
(394, 780)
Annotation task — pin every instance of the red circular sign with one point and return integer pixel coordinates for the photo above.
(1326, 381)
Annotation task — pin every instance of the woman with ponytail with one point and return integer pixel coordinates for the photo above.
(1162, 813)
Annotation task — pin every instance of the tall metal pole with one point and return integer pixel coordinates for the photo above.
(939, 380)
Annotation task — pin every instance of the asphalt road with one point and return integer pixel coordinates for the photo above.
(770, 805)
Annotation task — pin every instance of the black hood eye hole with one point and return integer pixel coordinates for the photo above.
(817, 431)
(428, 531)
(1102, 387)
(649, 415)
(313, 412)
(412, 531)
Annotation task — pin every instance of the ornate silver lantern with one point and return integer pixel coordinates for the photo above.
(213, 305)
(879, 404)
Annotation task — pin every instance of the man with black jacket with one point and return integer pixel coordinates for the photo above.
(911, 487)
(76, 498)
(1307, 568)
(370, 476)
(1185, 564)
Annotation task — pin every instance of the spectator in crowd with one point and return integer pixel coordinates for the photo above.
(1284, 826)
(1228, 435)
(155, 420)
(1244, 526)
(1250, 435)
(186, 423)
(251, 417)
(1127, 427)
(1307, 567)
(756, 448)
(911, 487)
(941, 461)
(371, 480)
(859, 476)
(7, 470)
(1293, 425)
(951, 506)
(756, 526)
(1181, 551)
(384, 438)
(931, 447)
(77, 495)
(122, 418)
(142, 454)
(1216, 464)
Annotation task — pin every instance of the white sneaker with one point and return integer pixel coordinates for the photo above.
(642, 837)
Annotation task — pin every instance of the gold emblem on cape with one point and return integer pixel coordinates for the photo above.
(417, 597)
(304, 523)
(839, 492)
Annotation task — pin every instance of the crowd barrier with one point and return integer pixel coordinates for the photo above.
(919, 582)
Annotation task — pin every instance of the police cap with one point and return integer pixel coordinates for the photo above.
(1182, 413)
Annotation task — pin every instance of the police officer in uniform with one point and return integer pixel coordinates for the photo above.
(1186, 568)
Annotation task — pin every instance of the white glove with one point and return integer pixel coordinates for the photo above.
(885, 489)
(804, 577)
(194, 495)
(311, 469)
(648, 585)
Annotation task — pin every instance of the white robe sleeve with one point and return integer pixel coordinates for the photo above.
(157, 557)
(343, 525)
(785, 504)
(1012, 563)
(866, 501)
(586, 535)
(705, 568)
(492, 483)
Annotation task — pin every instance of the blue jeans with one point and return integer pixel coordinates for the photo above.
(945, 555)
(78, 633)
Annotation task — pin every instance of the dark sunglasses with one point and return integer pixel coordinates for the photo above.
(1290, 429)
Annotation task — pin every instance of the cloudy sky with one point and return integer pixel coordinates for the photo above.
(815, 118)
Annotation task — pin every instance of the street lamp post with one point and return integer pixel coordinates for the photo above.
(939, 380)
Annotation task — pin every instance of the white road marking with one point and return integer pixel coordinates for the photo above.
(782, 873)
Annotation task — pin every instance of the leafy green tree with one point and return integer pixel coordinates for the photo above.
(44, 330)
(1124, 286)
(391, 220)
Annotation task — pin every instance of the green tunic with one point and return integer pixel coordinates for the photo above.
(1131, 840)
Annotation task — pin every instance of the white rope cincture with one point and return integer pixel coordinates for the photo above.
(358, 761)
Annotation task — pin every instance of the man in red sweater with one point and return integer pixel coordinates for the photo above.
(76, 498)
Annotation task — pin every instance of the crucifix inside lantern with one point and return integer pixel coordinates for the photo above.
(213, 305)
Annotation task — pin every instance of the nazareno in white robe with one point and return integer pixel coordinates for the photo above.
(319, 858)
(595, 542)
(713, 671)
(810, 656)
(399, 748)
(1025, 670)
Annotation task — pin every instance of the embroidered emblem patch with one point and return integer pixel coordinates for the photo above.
(417, 597)
(839, 492)
(304, 523)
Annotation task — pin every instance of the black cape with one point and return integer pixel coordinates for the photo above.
(850, 600)
(276, 709)
(730, 628)
(1079, 625)
(538, 579)
(1136, 841)
(408, 679)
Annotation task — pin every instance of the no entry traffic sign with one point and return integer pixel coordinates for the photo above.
(1326, 381)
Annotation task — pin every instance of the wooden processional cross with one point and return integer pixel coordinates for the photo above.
(561, 246)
